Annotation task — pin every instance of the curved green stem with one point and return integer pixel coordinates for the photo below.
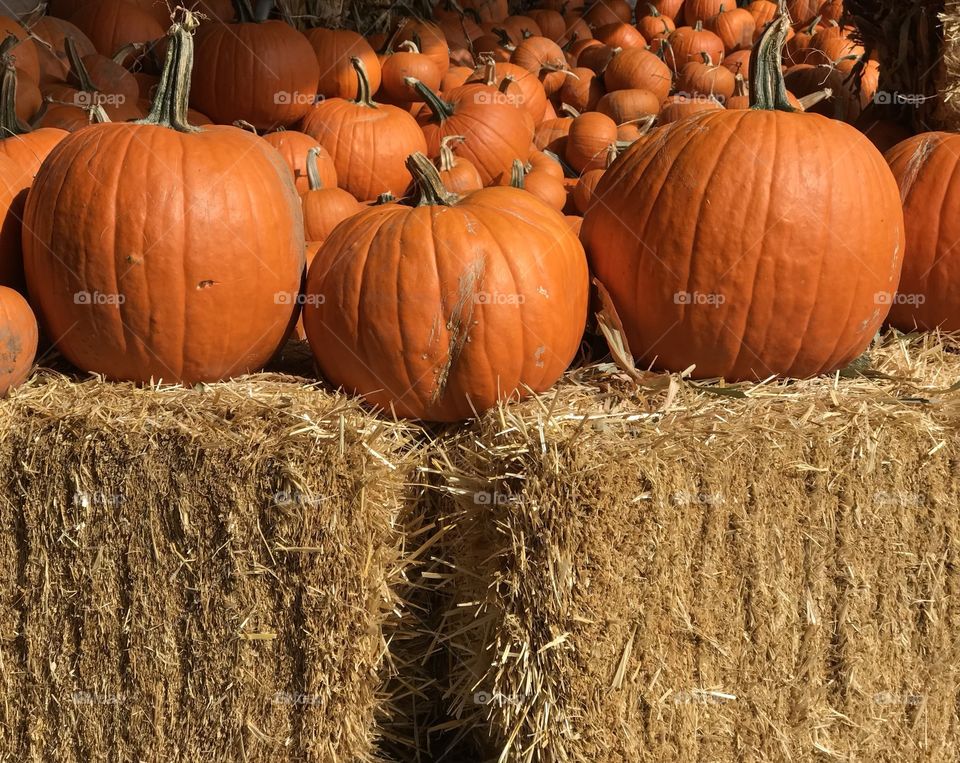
(364, 94)
(441, 109)
(768, 92)
(313, 171)
(171, 103)
(517, 174)
(430, 188)
(10, 123)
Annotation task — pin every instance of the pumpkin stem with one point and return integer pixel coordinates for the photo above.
(707, 60)
(447, 158)
(132, 47)
(489, 70)
(566, 108)
(739, 85)
(517, 174)
(364, 96)
(313, 171)
(245, 125)
(698, 27)
(613, 151)
(10, 123)
(768, 92)
(430, 189)
(170, 104)
(812, 26)
(77, 67)
(386, 197)
(654, 11)
(441, 109)
(409, 45)
(811, 100)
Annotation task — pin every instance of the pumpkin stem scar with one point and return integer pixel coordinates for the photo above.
(171, 102)
(768, 92)
(430, 188)
(461, 318)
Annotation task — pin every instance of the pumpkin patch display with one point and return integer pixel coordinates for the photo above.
(726, 289)
(193, 281)
(438, 310)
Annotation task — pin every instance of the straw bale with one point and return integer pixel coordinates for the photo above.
(200, 574)
(758, 573)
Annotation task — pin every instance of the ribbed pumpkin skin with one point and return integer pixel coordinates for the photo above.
(402, 311)
(111, 24)
(368, 144)
(925, 167)
(263, 73)
(18, 339)
(200, 266)
(293, 147)
(333, 48)
(798, 247)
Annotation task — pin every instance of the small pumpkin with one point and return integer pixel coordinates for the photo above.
(456, 173)
(367, 140)
(19, 335)
(324, 207)
(334, 49)
(294, 146)
(407, 61)
(689, 43)
(734, 26)
(706, 78)
(638, 70)
(546, 187)
(589, 138)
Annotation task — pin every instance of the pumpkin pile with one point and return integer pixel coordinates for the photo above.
(452, 183)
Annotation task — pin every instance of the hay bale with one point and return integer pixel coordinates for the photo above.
(209, 574)
(759, 573)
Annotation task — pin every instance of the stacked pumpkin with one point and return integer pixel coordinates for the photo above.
(435, 179)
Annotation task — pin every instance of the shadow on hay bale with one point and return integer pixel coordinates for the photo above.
(768, 573)
(201, 574)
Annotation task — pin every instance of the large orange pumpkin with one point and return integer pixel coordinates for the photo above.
(749, 258)
(438, 310)
(925, 167)
(367, 140)
(190, 280)
(263, 72)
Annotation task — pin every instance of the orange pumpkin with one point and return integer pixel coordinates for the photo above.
(444, 332)
(197, 283)
(764, 280)
(589, 138)
(334, 49)
(456, 173)
(406, 62)
(324, 207)
(18, 339)
(293, 147)
(638, 70)
(367, 140)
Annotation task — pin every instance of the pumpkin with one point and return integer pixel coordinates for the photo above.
(368, 141)
(763, 12)
(196, 283)
(620, 35)
(689, 43)
(544, 59)
(577, 30)
(678, 107)
(496, 45)
(667, 8)
(428, 38)
(546, 187)
(95, 79)
(748, 258)
(583, 193)
(486, 10)
(456, 173)
(19, 335)
(588, 140)
(605, 12)
(638, 70)
(496, 132)
(626, 105)
(455, 76)
(442, 333)
(843, 104)
(737, 62)
(831, 10)
(551, 23)
(550, 131)
(334, 49)
(596, 57)
(706, 78)
(51, 33)
(112, 24)
(734, 26)
(263, 72)
(655, 27)
(408, 61)
(582, 90)
(293, 147)
(883, 133)
(324, 207)
(527, 91)
(803, 10)
(928, 298)
(520, 27)
(701, 10)
(544, 163)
